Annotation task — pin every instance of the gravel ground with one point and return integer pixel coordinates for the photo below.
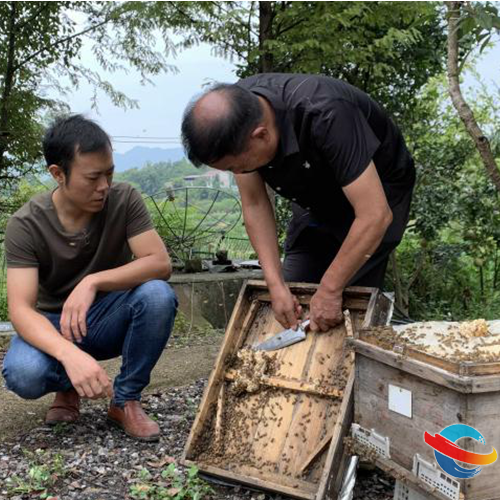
(92, 460)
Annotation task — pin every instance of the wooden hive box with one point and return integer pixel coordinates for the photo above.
(286, 436)
(401, 392)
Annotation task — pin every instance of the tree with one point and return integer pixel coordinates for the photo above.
(40, 43)
(388, 49)
(477, 22)
(448, 265)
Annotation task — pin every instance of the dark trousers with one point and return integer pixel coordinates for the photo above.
(312, 252)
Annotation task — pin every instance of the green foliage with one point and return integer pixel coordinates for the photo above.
(185, 330)
(10, 201)
(41, 43)
(192, 230)
(45, 470)
(4, 311)
(448, 266)
(447, 281)
(283, 210)
(389, 49)
(368, 44)
(171, 485)
(478, 23)
(152, 178)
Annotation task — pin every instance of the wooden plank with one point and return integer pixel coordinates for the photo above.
(433, 408)
(383, 309)
(242, 310)
(319, 449)
(220, 413)
(292, 385)
(472, 369)
(310, 288)
(241, 336)
(370, 337)
(415, 367)
(485, 383)
(483, 414)
(359, 304)
(335, 458)
(462, 368)
(317, 415)
(286, 408)
(288, 430)
(255, 478)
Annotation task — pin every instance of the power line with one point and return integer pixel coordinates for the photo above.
(147, 142)
(171, 138)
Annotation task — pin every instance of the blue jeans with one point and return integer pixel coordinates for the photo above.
(134, 324)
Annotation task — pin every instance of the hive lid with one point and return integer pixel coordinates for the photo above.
(466, 347)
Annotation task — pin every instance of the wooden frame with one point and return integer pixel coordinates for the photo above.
(465, 368)
(305, 466)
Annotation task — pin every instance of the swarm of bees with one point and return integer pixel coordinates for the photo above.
(476, 328)
(251, 368)
(468, 341)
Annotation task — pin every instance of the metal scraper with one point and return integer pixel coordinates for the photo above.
(284, 338)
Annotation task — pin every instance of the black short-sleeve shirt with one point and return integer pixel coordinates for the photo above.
(329, 132)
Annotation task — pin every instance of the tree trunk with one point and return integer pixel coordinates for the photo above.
(463, 109)
(401, 298)
(266, 62)
(8, 79)
(266, 16)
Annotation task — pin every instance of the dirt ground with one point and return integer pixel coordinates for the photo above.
(178, 366)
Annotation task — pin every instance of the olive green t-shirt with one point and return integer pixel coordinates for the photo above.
(36, 238)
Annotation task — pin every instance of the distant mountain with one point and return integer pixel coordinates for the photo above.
(138, 157)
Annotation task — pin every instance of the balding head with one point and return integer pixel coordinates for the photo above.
(211, 107)
(219, 123)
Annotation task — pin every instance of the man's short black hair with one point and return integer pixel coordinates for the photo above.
(207, 141)
(69, 135)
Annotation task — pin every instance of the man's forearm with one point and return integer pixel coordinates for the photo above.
(261, 228)
(363, 239)
(132, 274)
(39, 332)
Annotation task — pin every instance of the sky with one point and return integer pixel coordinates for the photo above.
(162, 105)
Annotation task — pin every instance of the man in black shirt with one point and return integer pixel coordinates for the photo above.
(330, 149)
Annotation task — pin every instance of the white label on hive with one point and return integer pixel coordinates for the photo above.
(400, 400)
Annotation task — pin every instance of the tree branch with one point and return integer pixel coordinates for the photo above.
(280, 31)
(184, 13)
(44, 6)
(463, 109)
(63, 40)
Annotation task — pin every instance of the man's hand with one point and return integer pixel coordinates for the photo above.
(325, 310)
(74, 312)
(286, 307)
(89, 379)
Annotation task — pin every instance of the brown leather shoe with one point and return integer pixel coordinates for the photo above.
(134, 421)
(65, 408)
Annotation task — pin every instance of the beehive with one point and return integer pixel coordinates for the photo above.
(277, 420)
(423, 378)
